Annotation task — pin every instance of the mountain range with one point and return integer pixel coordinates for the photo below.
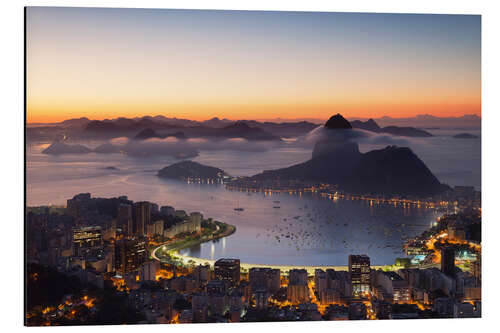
(372, 126)
(84, 128)
(422, 121)
(162, 127)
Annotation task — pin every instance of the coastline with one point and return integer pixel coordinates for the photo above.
(283, 268)
(246, 266)
(189, 260)
(175, 247)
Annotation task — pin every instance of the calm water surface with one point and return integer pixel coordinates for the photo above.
(307, 230)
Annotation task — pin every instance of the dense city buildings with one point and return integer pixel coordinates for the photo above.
(268, 279)
(298, 290)
(101, 248)
(359, 268)
(149, 270)
(85, 238)
(448, 261)
(342, 177)
(476, 268)
(167, 210)
(142, 212)
(124, 219)
(228, 270)
(202, 274)
(188, 224)
(130, 254)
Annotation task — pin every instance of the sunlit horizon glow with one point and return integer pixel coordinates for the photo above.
(106, 63)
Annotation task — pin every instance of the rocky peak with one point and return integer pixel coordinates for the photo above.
(337, 122)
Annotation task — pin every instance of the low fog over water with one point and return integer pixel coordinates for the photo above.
(320, 231)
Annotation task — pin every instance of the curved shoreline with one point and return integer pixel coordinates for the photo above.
(188, 260)
(231, 229)
(245, 267)
(283, 268)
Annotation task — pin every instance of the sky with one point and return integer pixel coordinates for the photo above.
(107, 63)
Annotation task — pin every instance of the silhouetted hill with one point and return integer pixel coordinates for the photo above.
(369, 125)
(189, 169)
(216, 122)
(59, 148)
(337, 122)
(85, 129)
(405, 131)
(284, 130)
(372, 126)
(392, 170)
(45, 133)
(147, 133)
(152, 127)
(103, 126)
(427, 120)
(397, 170)
(241, 130)
(77, 122)
(122, 127)
(150, 133)
(465, 136)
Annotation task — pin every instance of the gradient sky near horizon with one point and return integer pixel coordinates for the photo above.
(105, 63)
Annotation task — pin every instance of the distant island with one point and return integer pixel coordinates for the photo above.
(337, 160)
(372, 126)
(59, 148)
(465, 136)
(193, 171)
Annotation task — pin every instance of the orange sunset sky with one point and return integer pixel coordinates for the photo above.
(107, 63)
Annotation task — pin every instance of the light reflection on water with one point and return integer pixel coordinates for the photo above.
(310, 230)
(337, 229)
